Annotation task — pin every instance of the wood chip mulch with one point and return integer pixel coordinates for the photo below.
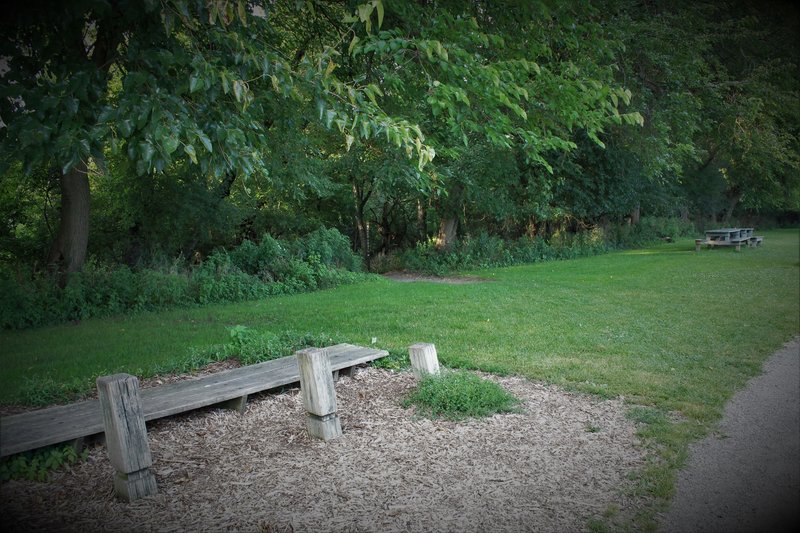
(566, 459)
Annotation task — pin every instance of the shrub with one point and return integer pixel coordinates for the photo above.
(460, 394)
(331, 248)
(250, 271)
(38, 464)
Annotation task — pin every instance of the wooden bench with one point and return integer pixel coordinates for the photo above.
(755, 240)
(712, 243)
(229, 388)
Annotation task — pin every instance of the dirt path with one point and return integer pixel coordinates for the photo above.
(746, 478)
(410, 277)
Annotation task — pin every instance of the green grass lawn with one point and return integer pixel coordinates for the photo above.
(667, 328)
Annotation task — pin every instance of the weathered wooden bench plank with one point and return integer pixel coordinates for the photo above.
(53, 425)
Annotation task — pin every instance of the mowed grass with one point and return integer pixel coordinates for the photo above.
(666, 328)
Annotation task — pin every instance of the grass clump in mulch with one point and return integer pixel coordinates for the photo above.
(456, 395)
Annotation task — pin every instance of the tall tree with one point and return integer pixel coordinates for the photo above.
(163, 82)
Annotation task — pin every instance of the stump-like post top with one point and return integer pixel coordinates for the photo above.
(126, 436)
(423, 359)
(126, 433)
(318, 393)
(316, 381)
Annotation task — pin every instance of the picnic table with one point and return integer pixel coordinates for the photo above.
(729, 237)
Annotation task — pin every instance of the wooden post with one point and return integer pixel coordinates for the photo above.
(318, 393)
(126, 436)
(235, 404)
(697, 243)
(423, 359)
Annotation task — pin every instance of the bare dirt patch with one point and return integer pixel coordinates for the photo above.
(561, 462)
(410, 277)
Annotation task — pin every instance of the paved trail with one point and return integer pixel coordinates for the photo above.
(747, 477)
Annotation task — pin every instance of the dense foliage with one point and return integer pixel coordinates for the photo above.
(250, 271)
(164, 132)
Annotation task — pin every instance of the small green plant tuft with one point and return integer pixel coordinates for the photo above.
(37, 465)
(456, 395)
(250, 346)
(646, 415)
(396, 360)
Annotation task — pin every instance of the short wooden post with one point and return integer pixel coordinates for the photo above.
(318, 393)
(126, 436)
(238, 404)
(423, 359)
(697, 243)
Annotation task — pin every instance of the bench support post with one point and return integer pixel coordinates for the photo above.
(126, 436)
(423, 359)
(318, 394)
(235, 404)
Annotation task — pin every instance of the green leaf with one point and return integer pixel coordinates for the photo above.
(380, 13)
(205, 140)
(189, 149)
(242, 12)
(194, 82)
(147, 150)
(329, 116)
(170, 144)
(238, 89)
(126, 127)
(329, 69)
(353, 43)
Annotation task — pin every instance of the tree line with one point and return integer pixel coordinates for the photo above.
(137, 131)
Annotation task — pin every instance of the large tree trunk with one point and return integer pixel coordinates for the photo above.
(734, 195)
(68, 251)
(422, 221)
(449, 209)
(636, 213)
(448, 228)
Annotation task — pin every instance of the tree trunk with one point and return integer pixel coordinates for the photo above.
(448, 228)
(733, 200)
(449, 208)
(636, 214)
(68, 251)
(360, 199)
(422, 221)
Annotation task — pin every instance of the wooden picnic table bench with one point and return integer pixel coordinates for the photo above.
(229, 388)
(729, 237)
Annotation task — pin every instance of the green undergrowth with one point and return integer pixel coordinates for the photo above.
(396, 360)
(486, 251)
(251, 271)
(460, 394)
(38, 465)
(250, 346)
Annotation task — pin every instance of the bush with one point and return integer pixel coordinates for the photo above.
(331, 248)
(460, 394)
(250, 271)
(648, 231)
(37, 465)
(491, 251)
(486, 251)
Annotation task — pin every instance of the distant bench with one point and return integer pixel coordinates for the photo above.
(729, 237)
(229, 388)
